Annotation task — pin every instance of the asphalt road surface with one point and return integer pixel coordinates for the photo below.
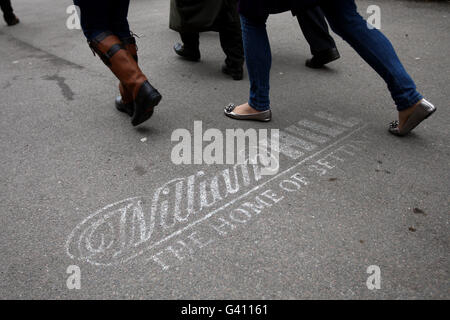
(81, 187)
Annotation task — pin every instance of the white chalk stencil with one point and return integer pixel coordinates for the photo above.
(141, 226)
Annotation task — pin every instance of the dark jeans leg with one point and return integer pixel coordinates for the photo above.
(258, 58)
(118, 18)
(230, 34)
(7, 9)
(315, 29)
(103, 15)
(191, 40)
(374, 48)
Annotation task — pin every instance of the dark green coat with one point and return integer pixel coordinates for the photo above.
(194, 15)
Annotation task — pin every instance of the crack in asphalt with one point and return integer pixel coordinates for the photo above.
(54, 59)
(61, 81)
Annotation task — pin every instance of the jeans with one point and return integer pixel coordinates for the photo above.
(98, 16)
(258, 58)
(345, 21)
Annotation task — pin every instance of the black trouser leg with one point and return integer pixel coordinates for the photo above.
(315, 29)
(231, 42)
(7, 9)
(191, 40)
(230, 34)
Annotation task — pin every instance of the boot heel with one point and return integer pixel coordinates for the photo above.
(124, 107)
(147, 99)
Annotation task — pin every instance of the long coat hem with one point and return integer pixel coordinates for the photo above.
(195, 15)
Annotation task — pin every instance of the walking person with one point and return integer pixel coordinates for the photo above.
(105, 25)
(345, 21)
(8, 13)
(190, 17)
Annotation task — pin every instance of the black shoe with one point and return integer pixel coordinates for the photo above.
(188, 54)
(127, 108)
(322, 58)
(11, 20)
(235, 73)
(146, 100)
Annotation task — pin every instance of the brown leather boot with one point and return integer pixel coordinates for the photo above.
(124, 102)
(113, 53)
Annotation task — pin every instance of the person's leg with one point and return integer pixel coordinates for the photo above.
(258, 57)
(118, 18)
(379, 53)
(190, 46)
(95, 21)
(6, 7)
(259, 61)
(315, 29)
(374, 48)
(118, 24)
(191, 40)
(8, 13)
(230, 34)
(104, 15)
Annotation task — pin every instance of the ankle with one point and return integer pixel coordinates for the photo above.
(411, 108)
(415, 105)
(246, 108)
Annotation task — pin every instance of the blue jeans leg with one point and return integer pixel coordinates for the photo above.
(374, 48)
(259, 61)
